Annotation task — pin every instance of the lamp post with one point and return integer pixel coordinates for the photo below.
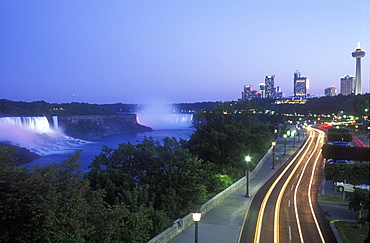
(293, 134)
(247, 159)
(273, 155)
(284, 136)
(197, 214)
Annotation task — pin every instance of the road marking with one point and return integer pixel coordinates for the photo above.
(280, 196)
(320, 138)
(290, 233)
(309, 192)
(292, 188)
(257, 233)
(288, 203)
(296, 190)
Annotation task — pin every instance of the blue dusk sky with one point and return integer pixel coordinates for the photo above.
(175, 51)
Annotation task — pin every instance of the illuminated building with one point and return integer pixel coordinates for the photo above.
(269, 86)
(347, 85)
(330, 91)
(249, 93)
(262, 89)
(300, 85)
(358, 54)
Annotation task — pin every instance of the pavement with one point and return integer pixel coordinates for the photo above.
(223, 223)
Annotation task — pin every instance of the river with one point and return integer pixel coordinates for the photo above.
(91, 149)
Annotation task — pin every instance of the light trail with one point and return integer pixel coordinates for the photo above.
(257, 234)
(295, 199)
(358, 142)
(321, 138)
(322, 134)
(282, 191)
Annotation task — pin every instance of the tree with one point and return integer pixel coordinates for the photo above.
(225, 134)
(355, 174)
(162, 179)
(55, 204)
(359, 203)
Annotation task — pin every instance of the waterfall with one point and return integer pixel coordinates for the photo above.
(164, 121)
(35, 134)
(55, 121)
(37, 124)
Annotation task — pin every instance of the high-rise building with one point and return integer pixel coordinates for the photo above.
(249, 93)
(358, 54)
(262, 90)
(278, 92)
(269, 86)
(300, 85)
(330, 91)
(347, 85)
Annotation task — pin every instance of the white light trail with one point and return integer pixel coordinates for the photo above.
(295, 195)
(257, 234)
(280, 196)
(322, 134)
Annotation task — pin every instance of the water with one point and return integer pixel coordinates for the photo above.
(38, 135)
(91, 149)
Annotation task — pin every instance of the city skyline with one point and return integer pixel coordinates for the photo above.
(175, 51)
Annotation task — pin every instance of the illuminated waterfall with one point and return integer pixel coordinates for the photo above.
(164, 121)
(36, 134)
(55, 121)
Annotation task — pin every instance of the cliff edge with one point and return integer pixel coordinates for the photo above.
(92, 127)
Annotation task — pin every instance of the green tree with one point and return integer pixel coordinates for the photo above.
(359, 203)
(227, 133)
(355, 174)
(163, 179)
(55, 204)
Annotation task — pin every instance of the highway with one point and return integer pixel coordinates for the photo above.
(285, 209)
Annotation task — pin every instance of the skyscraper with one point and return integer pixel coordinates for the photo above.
(358, 54)
(347, 85)
(300, 85)
(262, 90)
(250, 93)
(330, 91)
(269, 86)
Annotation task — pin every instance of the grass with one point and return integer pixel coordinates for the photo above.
(332, 198)
(349, 232)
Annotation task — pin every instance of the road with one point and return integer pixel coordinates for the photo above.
(285, 209)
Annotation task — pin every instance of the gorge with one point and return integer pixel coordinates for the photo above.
(47, 135)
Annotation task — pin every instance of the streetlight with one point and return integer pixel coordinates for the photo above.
(273, 155)
(197, 214)
(284, 136)
(293, 134)
(247, 159)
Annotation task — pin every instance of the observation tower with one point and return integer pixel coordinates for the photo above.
(358, 54)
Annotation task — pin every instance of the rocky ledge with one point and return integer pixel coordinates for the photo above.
(92, 127)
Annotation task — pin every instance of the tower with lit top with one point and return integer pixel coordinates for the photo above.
(358, 54)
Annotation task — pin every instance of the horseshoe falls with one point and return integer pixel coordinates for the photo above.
(165, 121)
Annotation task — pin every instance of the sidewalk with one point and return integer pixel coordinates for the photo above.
(223, 223)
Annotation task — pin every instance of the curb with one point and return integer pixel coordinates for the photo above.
(335, 231)
(333, 203)
(337, 203)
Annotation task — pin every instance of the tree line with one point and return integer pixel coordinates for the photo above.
(135, 191)
(350, 104)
